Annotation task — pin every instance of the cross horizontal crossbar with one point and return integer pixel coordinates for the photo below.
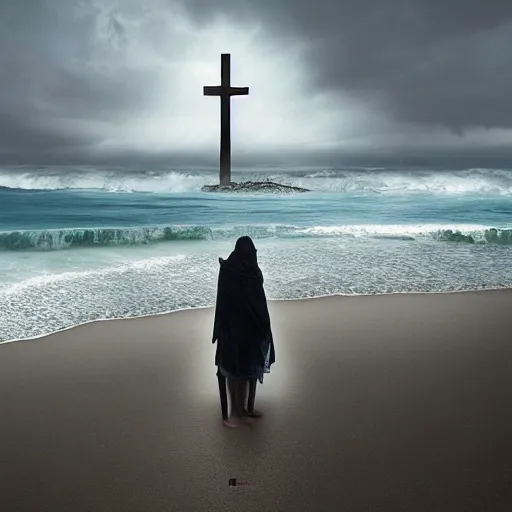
(219, 90)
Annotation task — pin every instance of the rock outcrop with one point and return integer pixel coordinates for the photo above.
(254, 186)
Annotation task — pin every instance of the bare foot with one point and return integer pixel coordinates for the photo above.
(232, 422)
(253, 414)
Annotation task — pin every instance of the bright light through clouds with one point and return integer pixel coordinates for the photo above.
(275, 115)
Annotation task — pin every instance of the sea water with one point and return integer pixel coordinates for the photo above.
(81, 244)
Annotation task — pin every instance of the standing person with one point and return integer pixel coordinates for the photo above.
(245, 347)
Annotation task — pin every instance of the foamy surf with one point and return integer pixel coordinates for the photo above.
(78, 245)
(54, 240)
(336, 180)
(293, 269)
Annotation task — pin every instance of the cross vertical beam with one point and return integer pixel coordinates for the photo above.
(225, 91)
(225, 121)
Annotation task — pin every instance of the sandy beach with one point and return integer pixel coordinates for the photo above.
(397, 402)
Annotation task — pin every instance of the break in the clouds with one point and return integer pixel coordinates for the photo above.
(104, 79)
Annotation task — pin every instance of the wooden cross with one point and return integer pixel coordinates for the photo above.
(225, 91)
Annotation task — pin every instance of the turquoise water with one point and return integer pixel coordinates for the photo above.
(80, 244)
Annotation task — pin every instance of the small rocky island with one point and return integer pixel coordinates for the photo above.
(254, 186)
(225, 91)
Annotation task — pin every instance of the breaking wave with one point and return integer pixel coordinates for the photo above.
(149, 181)
(374, 180)
(60, 239)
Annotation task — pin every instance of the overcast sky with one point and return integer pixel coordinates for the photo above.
(330, 80)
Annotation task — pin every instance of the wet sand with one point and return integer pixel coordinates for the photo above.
(398, 402)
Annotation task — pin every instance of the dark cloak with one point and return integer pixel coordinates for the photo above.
(242, 321)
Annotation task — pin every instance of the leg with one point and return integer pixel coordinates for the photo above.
(252, 395)
(242, 402)
(249, 411)
(223, 395)
(234, 418)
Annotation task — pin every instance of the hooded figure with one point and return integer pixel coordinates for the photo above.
(245, 348)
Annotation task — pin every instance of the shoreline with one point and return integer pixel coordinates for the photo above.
(270, 301)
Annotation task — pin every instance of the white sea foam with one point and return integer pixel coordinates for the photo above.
(318, 249)
(168, 182)
(61, 239)
(370, 230)
(292, 268)
(471, 181)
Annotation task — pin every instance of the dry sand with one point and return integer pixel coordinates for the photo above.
(398, 402)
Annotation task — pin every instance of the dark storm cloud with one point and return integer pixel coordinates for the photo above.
(75, 74)
(48, 93)
(433, 62)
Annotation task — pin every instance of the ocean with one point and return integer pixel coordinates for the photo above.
(79, 244)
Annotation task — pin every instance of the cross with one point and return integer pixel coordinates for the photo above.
(225, 91)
